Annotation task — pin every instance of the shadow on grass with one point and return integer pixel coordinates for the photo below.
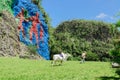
(108, 78)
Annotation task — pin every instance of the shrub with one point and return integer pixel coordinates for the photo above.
(32, 49)
(74, 58)
(92, 56)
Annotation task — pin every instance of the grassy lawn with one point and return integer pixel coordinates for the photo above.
(24, 69)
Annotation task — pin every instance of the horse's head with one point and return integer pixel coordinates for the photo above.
(67, 55)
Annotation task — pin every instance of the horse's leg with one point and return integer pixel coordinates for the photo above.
(52, 62)
(60, 62)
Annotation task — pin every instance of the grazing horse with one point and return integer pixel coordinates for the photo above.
(60, 58)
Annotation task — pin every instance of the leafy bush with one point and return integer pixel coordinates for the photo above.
(32, 49)
(116, 51)
(116, 54)
(74, 58)
(92, 56)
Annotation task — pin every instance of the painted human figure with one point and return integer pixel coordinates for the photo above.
(21, 18)
(33, 29)
(35, 20)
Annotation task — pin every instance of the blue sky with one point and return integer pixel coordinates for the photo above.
(62, 10)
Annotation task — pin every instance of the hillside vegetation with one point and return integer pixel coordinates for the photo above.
(6, 5)
(76, 36)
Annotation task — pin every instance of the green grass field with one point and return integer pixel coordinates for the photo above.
(24, 69)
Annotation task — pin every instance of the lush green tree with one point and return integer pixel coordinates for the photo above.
(116, 51)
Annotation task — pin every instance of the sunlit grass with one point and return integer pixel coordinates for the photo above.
(24, 69)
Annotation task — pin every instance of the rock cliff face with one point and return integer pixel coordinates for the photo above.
(9, 38)
(9, 44)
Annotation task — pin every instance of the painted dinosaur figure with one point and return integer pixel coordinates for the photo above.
(21, 18)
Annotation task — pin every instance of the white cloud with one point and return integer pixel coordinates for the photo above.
(105, 17)
(101, 16)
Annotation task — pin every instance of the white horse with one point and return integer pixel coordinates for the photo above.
(60, 58)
